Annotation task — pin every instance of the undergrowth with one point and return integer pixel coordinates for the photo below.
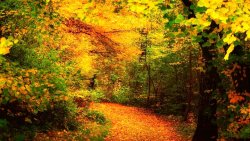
(92, 125)
(185, 128)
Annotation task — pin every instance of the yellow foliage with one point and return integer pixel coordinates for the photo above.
(2, 81)
(231, 15)
(245, 111)
(6, 44)
(118, 29)
(229, 39)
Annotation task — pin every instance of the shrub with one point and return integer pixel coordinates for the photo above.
(61, 116)
(29, 90)
(33, 97)
(97, 96)
(96, 116)
(33, 90)
(3, 129)
(122, 95)
(88, 96)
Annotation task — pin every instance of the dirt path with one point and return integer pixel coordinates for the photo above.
(137, 124)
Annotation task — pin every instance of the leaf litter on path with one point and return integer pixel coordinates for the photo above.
(137, 124)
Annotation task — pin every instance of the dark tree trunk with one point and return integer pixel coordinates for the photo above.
(144, 45)
(190, 87)
(92, 82)
(206, 126)
(149, 84)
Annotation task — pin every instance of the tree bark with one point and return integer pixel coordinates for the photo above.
(206, 125)
(149, 84)
(190, 87)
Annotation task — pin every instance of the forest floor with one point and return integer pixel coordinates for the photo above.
(137, 124)
(124, 123)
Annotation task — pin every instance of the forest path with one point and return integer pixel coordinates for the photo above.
(137, 124)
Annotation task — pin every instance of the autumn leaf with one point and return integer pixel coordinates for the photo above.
(229, 50)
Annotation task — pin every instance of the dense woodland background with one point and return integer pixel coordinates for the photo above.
(186, 58)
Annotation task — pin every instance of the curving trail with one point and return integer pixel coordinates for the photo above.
(137, 124)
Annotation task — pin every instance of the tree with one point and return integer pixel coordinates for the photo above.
(213, 32)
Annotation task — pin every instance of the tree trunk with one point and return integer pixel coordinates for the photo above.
(206, 126)
(149, 84)
(190, 87)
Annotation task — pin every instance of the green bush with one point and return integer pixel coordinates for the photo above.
(3, 129)
(97, 96)
(96, 116)
(93, 95)
(9, 131)
(29, 90)
(245, 132)
(61, 116)
(122, 95)
(33, 88)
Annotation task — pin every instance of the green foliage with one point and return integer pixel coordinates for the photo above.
(92, 95)
(31, 57)
(96, 116)
(75, 80)
(36, 88)
(186, 129)
(19, 137)
(97, 96)
(137, 77)
(172, 93)
(3, 129)
(36, 77)
(90, 133)
(122, 95)
(179, 18)
(221, 35)
(13, 132)
(61, 116)
(245, 132)
(33, 89)
(3, 124)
